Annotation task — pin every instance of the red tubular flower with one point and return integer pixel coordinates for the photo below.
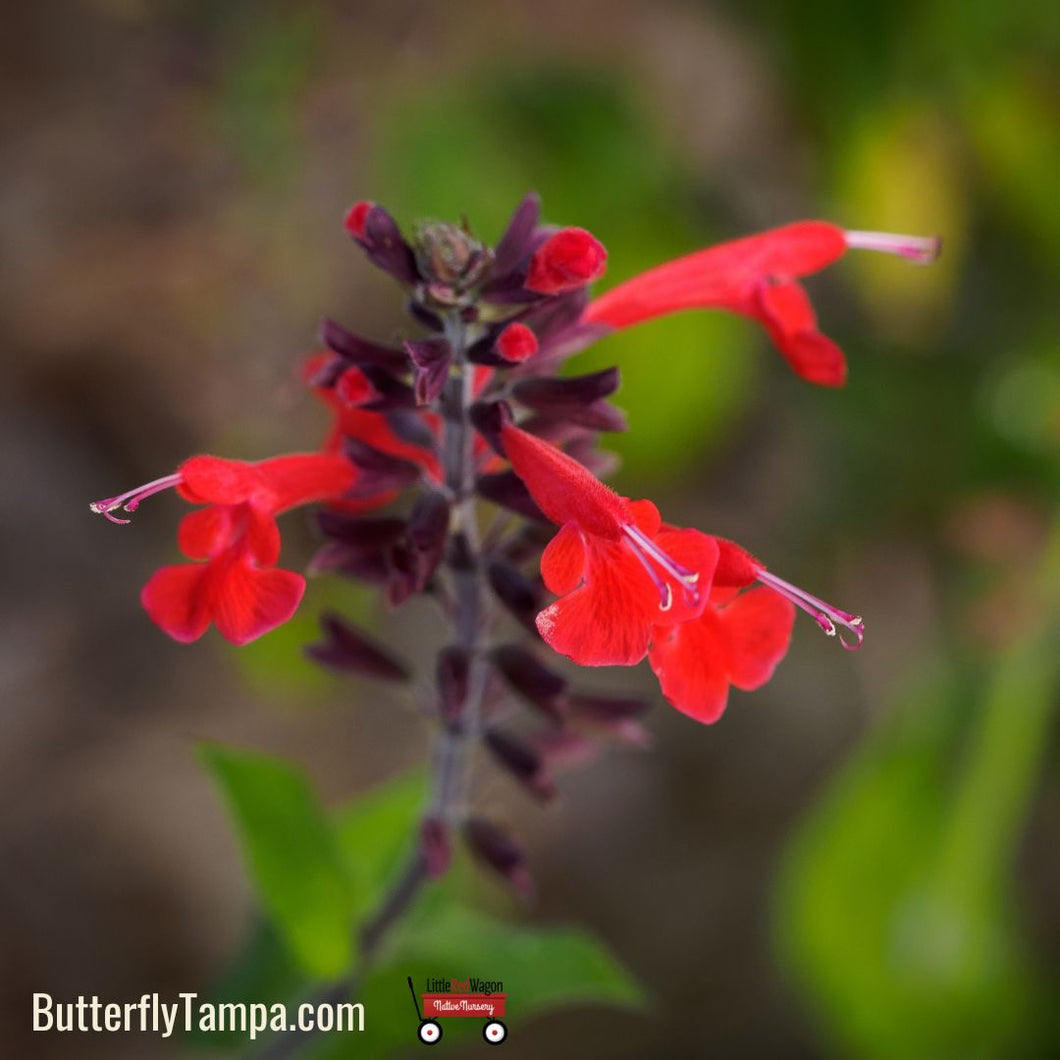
(237, 588)
(613, 565)
(757, 277)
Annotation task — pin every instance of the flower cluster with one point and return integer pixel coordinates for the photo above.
(470, 416)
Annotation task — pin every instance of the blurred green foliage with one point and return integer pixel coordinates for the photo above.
(897, 912)
(319, 876)
(292, 854)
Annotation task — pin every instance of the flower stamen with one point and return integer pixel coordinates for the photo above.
(824, 614)
(649, 553)
(130, 501)
(922, 250)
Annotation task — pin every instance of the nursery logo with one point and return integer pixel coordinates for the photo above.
(447, 996)
(471, 985)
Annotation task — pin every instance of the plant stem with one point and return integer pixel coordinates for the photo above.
(454, 744)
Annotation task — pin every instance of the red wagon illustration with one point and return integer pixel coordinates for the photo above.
(438, 1006)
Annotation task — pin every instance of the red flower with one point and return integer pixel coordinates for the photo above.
(237, 588)
(757, 277)
(617, 571)
(615, 567)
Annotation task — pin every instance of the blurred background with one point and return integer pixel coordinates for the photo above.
(860, 860)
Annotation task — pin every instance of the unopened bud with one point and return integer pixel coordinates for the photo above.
(451, 261)
(347, 648)
(534, 681)
(516, 343)
(521, 760)
(569, 259)
(499, 851)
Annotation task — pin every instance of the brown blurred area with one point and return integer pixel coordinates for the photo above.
(161, 276)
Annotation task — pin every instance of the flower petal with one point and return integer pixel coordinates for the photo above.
(206, 532)
(691, 663)
(263, 536)
(786, 313)
(608, 621)
(645, 516)
(247, 602)
(758, 627)
(177, 600)
(563, 561)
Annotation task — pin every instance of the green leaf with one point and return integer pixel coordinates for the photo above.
(292, 854)
(374, 834)
(543, 969)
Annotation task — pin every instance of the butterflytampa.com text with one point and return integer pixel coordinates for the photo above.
(150, 1014)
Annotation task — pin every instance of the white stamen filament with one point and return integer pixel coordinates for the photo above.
(922, 250)
(649, 553)
(130, 501)
(824, 614)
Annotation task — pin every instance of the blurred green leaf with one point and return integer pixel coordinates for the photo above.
(292, 855)
(895, 913)
(543, 969)
(375, 833)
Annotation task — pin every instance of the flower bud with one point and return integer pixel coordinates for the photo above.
(428, 528)
(353, 388)
(360, 351)
(516, 343)
(348, 649)
(516, 592)
(356, 218)
(451, 261)
(568, 259)
(534, 681)
(499, 851)
(522, 761)
(377, 232)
